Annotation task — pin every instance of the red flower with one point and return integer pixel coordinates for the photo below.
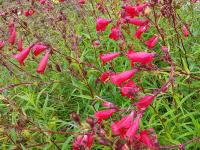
(115, 34)
(102, 23)
(141, 30)
(38, 48)
(144, 138)
(104, 114)
(104, 76)
(43, 63)
(42, 2)
(185, 31)
(136, 21)
(129, 89)
(133, 129)
(22, 55)
(120, 127)
(108, 57)
(83, 141)
(131, 10)
(81, 2)
(122, 77)
(20, 44)
(2, 43)
(141, 57)
(12, 37)
(144, 102)
(141, 7)
(151, 42)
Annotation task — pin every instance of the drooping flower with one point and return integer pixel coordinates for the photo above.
(141, 30)
(20, 45)
(151, 42)
(115, 34)
(134, 127)
(102, 23)
(108, 57)
(104, 76)
(185, 31)
(141, 57)
(12, 37)
(137, 22)
(22, 55)
(120, 127)
(129, 89)
(43, 63)
(104, 114)
(2, 43)
(38, 48)
(144, 138)
(144, 102)
(119, 78)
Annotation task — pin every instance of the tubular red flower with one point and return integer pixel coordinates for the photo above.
(2, 44)
(151, 42)
(131, 10)
(122, 77)
(137, 22)
(22, 55)
(108, 57)
(133, 129)
(104, 114)
(141, 7)
(144, 102)
(141, 30)
(38, 48)
(12, 37)
(104, 76)
(185, 31)
(43, 63)
(129, 89)
(144, 137)
(141, 57)
(102, 23)
(20, 44)
(115, 34)
(120, 127)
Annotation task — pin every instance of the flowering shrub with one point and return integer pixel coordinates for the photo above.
(124, 57)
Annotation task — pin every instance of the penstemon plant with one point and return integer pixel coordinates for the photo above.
(38, 34)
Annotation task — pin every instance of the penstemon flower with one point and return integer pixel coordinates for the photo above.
(43, 63)
(108, 57)
(102, 23)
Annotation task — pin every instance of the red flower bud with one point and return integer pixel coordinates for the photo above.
(144, 138)
(12, 37)
(141, 30)
(22, 55)
(104, 76)
(131, 10)
(20, 44)
(144, 102)
(185, 31)
(108, 57)
(151, 42)
(43, 63)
